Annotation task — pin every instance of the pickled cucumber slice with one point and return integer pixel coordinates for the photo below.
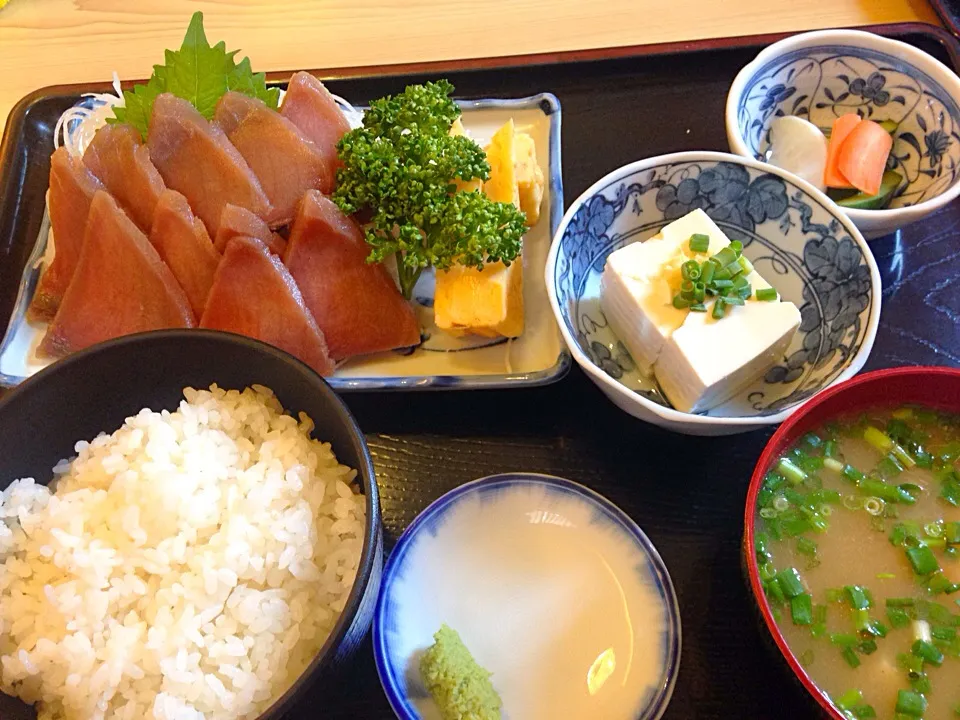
(861, 201)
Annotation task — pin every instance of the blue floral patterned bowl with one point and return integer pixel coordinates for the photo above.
(795, 236)
(821, 75)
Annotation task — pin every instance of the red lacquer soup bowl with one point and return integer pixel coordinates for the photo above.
(933, 387)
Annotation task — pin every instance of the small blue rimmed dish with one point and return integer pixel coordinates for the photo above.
(552, 588)
(822, 75)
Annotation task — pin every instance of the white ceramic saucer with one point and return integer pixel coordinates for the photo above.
(552, 588)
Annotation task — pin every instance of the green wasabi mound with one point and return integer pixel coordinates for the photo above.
(460, 687)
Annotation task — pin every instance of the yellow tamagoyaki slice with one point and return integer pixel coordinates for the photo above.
(487, 302)
(529, 177)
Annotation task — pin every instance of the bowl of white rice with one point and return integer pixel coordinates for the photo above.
(189, 529)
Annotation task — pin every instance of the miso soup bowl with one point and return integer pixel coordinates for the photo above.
(934, 387)
(821, 75)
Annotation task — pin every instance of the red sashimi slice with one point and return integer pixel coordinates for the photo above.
(184, 245)
(254, 295)
(238, 222)
(197, 160)
(355, 303)
(284, 161)
(117, 156)
(311, 107)
(72, 187)
(120, 286)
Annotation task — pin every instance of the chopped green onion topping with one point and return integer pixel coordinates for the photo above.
(690, 270)
(901, 602)
(850, 655)
(929, 652)
(911, 703)
(852, 474)
(898, 617)
(699, 243)
(766, 294)
(920, 683)
(857, 597)
(950, 490)
(724, 276)
(849, 699)
(806, 546)
(844, 639)
(706, 273)
(801, 609)
(790, 471)
(833, 465)
(790, 582)
(922, 560)
(880, 440)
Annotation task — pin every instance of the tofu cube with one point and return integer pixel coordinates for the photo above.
(698, 361)
(638, 284)
(707, 361)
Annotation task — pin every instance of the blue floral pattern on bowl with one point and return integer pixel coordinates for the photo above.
(793, 239)
(822, 83)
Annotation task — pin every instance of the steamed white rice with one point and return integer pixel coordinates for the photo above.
(188, 566)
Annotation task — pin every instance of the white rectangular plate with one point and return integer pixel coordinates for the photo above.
(442, 361)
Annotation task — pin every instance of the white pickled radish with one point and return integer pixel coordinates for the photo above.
(798, 146)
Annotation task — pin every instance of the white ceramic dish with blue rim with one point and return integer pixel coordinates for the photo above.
(441, 362)
(552, 588)
(822, 75)
(795, 236)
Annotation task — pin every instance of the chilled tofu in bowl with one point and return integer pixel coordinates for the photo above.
(712, 294)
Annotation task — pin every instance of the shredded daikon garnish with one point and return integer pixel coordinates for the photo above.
(76, 127)
(353, 115)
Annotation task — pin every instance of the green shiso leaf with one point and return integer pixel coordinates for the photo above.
(198, 73)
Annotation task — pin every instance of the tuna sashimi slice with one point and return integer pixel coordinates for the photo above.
(284, 161)
(120, 286)
(197, 160)
(72, 187)
(254, 295)
(118, 157)
(184, 245)
(311, 107)
(356, 303)
(239, 222)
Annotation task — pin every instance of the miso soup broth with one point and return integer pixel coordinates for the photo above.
(857, 540)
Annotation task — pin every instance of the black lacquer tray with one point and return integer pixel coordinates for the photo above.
(687, 493)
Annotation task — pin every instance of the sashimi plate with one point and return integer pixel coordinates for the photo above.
(441, 361)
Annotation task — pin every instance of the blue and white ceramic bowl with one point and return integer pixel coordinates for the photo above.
(821, 75)
(551, 587)
(795, 236)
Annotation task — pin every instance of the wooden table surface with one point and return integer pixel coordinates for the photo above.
(49, 42)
